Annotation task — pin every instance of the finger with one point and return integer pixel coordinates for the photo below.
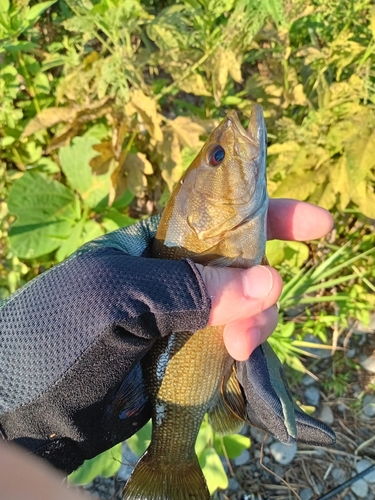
(243, 336)
(239, 293)
(297, 220)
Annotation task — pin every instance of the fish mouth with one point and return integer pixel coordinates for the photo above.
(256, 131)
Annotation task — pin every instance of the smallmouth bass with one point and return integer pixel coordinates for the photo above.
(216, 216)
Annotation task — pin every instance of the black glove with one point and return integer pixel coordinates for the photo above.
(269, 403)
(71, 341)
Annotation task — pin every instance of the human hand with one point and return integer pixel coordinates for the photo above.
(244, 300)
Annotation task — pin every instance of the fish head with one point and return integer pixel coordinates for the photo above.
(222, 190)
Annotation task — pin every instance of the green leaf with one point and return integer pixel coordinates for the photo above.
(124, 200)
(45, 216)
(205, 437)
(37, 10)
(4, 6)
(41, 84)
(294, 253)
(35, 197)
(106, 464)
(139, 442)
(19, 46)
(47, 165)
(91, 230)
(232, 445)
(112, 220)
(72, 243)
(75, 163)
(360, 157)
(213, 470)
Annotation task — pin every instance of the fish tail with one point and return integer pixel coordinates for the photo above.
(152, 480)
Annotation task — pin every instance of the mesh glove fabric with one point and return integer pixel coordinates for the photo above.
(71, 341)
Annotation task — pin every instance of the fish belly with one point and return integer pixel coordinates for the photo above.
(183, 374)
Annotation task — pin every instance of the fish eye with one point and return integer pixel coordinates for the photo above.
(216, 156)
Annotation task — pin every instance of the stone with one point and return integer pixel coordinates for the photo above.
(279, 471)
(361, 466)
(326, 414)
(307, 381)
(349, 496)
(368, 363)
(306, 494)
(312, 396)
(360, 488)
(258, 435)
(362, 328)
(243, 458)
(282, 453)
(339, 475)
(368, 405)
(233, 484)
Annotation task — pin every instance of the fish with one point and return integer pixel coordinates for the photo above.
(216, 216)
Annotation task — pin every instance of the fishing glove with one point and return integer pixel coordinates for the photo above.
(269, 403)
(71, 341)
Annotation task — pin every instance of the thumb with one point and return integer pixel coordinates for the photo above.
(242, 300)
(237, 294)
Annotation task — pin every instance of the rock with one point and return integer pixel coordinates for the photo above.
(306, 494)
(258, 435)
(362, 328)
(351, 353)
(368, 363)
(368, 405)
(326, 414)
(357, 391)
(349, 496)
(342, 407)
(307, 381)
(233, 484)
(361, 466)
(360, 488)
(339, 475)
(243, 458)
(312, 395)
(282, 453)
(279, 471)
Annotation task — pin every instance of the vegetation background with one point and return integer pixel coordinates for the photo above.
(104, 103)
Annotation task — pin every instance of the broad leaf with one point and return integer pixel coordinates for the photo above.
(139, 442)
(106, 464)
(213, 470)
(75, 163)
(231, 446)
(45, 211)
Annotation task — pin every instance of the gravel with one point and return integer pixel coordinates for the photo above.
(282, 453)
(360, 488)
(312, 395)
(368, 405)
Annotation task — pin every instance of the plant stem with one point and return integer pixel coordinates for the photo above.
(29, 85)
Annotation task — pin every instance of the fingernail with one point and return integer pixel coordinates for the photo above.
(257, 282)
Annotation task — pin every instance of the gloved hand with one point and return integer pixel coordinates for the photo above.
(71, 341)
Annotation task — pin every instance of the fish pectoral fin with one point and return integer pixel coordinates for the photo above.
(269, 403)
(153, 479)
(229, 413)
